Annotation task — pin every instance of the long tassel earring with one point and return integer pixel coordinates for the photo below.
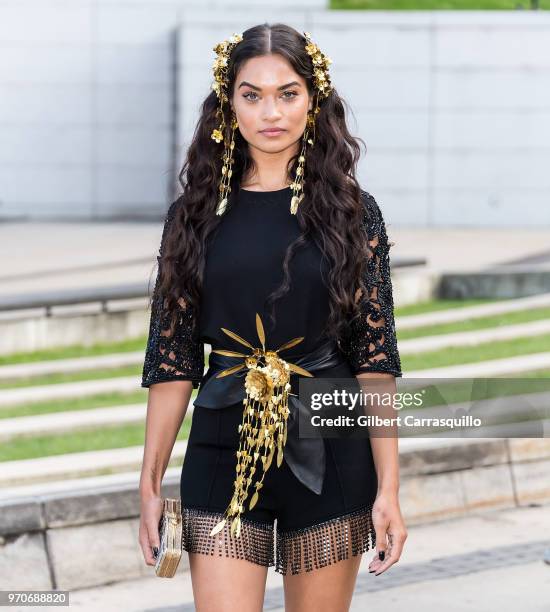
(227, 168)
(323, 87)
(298, 184)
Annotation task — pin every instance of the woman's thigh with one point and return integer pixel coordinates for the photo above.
(327, 589)
(228, 573)
(321, 538)
(226, 584)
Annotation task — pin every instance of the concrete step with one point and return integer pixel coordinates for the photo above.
(87, 388)
(70, 421)
(73, 420)
(84, 483)
(116, 360)
(11, 397)
(76, 465)
(71, 466)
(74, 364)
(22, 476)
(129, 384)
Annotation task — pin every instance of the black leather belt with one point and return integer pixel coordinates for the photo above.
(305, 456)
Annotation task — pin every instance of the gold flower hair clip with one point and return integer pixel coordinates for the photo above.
(321, 63)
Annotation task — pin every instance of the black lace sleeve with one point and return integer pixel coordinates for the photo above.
(371, 345)
(177, 356)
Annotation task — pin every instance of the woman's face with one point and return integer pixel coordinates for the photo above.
(269, 94)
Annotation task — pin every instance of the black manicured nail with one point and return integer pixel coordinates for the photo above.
(381, 555)
(155, 551)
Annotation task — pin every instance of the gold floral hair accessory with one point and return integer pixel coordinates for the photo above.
(321, 63)
(220, 86)
(322, 86)
(265, 414)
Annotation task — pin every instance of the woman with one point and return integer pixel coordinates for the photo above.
(272, 229)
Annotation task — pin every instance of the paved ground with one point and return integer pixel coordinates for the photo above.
(484, 562)
(50, 256)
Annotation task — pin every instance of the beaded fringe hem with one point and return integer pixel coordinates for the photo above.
(255, 543)
(316, 546)
(295, 551)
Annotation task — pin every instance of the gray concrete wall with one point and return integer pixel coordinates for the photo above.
(98, 100)
(443, 479)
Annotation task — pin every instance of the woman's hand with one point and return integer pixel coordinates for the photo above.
(387, 521)
(151, 511)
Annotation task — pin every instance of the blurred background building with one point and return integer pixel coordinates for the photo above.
(98, 99)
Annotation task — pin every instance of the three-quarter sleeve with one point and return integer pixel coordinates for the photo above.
(371, 343)
(171, 356)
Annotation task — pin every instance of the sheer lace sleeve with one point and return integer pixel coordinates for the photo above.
(177, 356)
(372, 344)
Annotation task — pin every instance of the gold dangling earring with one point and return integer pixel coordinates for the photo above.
(298, 184)
(227, 169)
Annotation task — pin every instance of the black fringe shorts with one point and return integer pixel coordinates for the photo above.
(312, 531)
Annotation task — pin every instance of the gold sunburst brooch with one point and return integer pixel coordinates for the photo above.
(265, 414)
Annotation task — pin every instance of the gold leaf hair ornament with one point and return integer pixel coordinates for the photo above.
(220, 86)
(264, 424)
(322, 86)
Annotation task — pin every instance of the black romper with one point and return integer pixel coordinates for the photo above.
(244, 263)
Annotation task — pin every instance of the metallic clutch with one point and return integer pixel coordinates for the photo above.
(170, 532)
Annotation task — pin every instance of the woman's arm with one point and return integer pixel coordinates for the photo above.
(384, 441)
(166, 407)
(373, 354)
(173, 366)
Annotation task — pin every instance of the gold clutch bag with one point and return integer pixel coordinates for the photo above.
(170, 533)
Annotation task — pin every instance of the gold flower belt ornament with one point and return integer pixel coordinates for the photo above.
(264, 425)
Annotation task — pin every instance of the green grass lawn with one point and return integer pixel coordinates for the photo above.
(53, 379)
(101, 438)
(67, 352)
(423, 5)
(482, 352)
(69, 377)
(501, 320)
(103, 400)
(536, 374)
(448, 391)
(435, 305)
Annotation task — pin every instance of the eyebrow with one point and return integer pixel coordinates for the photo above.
(246, 83)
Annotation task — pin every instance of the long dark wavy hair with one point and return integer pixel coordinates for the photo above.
(331, 213)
